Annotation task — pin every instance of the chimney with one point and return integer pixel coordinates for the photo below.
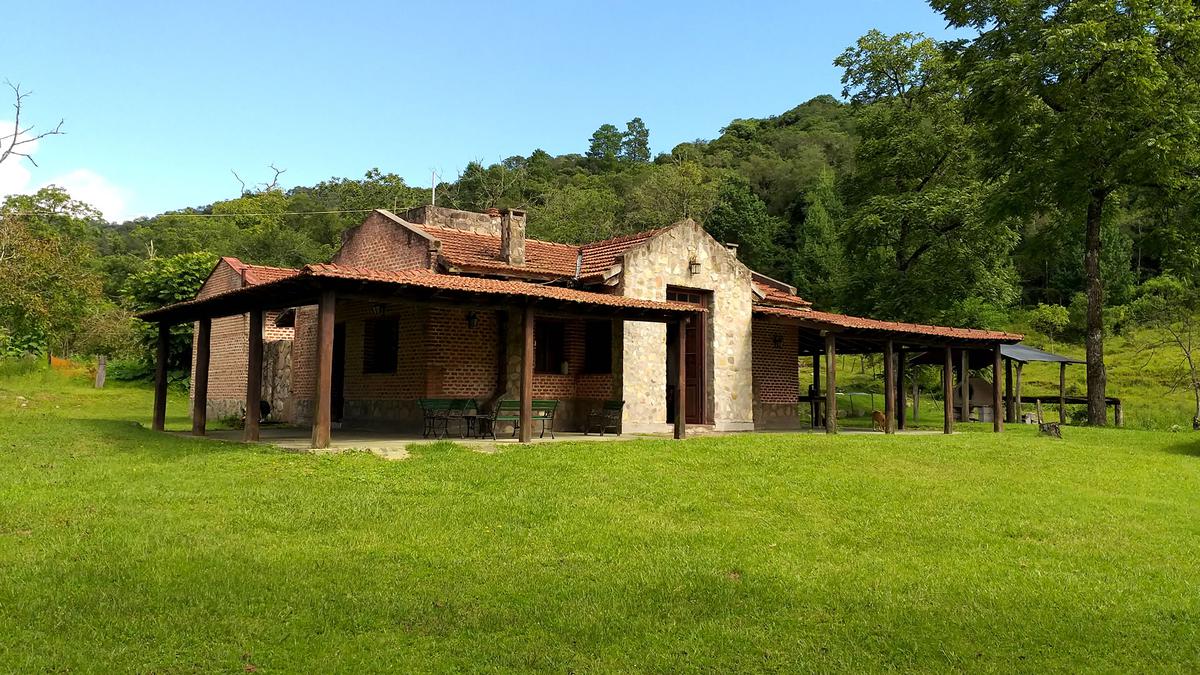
(732, 248)
(512, 237)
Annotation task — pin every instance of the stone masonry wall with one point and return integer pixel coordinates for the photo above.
(648, 270)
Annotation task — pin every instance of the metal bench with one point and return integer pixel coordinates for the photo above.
(509, 411)
(607, 415)
(437, 413)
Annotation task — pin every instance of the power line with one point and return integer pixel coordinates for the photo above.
(206, 215)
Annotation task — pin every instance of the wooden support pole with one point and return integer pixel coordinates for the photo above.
(101, 370)
(948, 391)
(323, 408)
(1062, 393)
(889, 387)
(160, 376)
(1009, 408)
(681, 380)
(816, 390)
(254, 369)
(200, 381)
(901, 405)
(997, 417)
(1017, 395)
(526, 429)
(964, 387)
(830, 384)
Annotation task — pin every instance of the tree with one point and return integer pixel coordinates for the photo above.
(576, 214)
(604, 148)
(916, 226)
(668, 193)
(165, 281)
(1171, 305)
(740, 217)
(818, 271)
(16, 142)
(1078, 100)
(635, 142)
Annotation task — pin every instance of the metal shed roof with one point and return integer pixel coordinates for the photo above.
(1024, 353)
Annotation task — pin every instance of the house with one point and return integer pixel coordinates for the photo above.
(437, 302)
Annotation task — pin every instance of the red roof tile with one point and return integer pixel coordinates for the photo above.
(776, 296)
(862, 323)
(259, 274)
(600, 256)
(481, 252)
(433, 280)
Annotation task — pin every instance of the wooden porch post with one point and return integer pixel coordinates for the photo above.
(323, 408)
(889, 387)
(254, 367)
(1017, 396)
(1009, 411)
(901, 406)
(997, 418)
(1062, 393)
(816, 390)
(200, 388)
(948, 390)
(830, 384)
(965, 386)
(526, 430)
(160, 376)
(681, 380)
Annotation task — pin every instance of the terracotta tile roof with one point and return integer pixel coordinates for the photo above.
(433, 280)
(481, 252)
(862, 323)
(599, 256)
(777, 296)
(258, 274)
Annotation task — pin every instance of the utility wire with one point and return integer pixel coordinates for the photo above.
(203, 215)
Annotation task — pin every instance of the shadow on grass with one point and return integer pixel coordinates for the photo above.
(1190, 447)
(133, 436)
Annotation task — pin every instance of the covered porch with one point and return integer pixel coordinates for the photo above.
(323, 287)
(822, 336)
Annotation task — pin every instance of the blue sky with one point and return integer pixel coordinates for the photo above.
(163, 99)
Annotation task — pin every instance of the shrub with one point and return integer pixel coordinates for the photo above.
(1051, 320)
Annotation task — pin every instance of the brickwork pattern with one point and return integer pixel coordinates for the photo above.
(776, 375)
(381, 244)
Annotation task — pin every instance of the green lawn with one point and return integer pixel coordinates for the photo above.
(125, 550)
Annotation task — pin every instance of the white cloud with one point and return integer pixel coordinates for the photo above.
(83, 184)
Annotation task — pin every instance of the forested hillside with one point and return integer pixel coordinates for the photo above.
(906, 197)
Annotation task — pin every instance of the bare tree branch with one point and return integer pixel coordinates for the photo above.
(10, 143)
(239, 179)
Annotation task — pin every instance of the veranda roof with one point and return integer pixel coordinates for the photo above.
(852, 330)
(305, 287)
(1024, 353)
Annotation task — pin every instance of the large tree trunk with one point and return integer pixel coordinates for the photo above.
(1096, 377)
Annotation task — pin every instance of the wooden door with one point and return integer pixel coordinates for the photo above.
(695, 375)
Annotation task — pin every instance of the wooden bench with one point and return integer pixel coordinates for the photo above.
(437, 413)
(607, 415)
(509, 411)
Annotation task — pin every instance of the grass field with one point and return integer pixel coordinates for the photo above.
(129, 551)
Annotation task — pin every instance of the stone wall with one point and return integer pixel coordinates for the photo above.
(481, 223)
(648, 270)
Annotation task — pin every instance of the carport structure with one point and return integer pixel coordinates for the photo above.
(827, 334)
(323, 285)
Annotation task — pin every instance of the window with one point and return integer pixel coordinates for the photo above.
(548, 352)
(381, 342)
(597, 347)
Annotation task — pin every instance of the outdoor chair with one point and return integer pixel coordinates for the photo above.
(439, 412)
(509, 411)
(604, 416)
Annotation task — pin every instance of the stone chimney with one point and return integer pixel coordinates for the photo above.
(512, 237)
(732, 248)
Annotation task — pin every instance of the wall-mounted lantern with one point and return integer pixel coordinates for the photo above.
(777, 341)
(472, 319)
(379, 309)
(693, 266)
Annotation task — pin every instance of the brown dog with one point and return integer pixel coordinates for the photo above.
(878, 420)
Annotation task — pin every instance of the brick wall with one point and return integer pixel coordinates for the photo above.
(229, 349)
(776, 374)
(382, 244)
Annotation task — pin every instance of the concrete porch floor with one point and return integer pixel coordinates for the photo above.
(394, 445)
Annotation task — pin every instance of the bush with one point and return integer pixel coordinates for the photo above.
(20, 365)
(1050, 320)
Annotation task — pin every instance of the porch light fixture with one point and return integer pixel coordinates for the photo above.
(777, 342)
(379, 309)
(472, 319)
(693, 266)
